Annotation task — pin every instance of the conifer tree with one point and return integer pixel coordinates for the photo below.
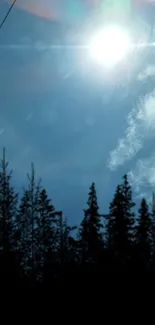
(90, 236)
(27, 224)
(153, 233)
(22, 233)
(116, 226)
(120, 223)
(64, 238)
(143, 234)
(8, 209)
(46, 231)
(128, 205)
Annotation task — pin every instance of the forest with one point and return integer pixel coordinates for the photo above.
(39, 248)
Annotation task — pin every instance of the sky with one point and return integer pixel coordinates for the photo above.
(77, 122)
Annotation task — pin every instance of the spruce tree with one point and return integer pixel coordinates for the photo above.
(46, 232)
(143, 234)
(153, 234)
(8, 209)
(64, 239)
(116, 225)
(128, 205)
(120, 225)
(22, 234)
(90, 236)
(27, 225)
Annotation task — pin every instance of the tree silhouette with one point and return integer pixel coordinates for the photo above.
(27, 225)
(143, 234)
(120, 226)
(153, 235)
(116, 226)
(45, 232)
(128, 205)
(38, 246)
(90, 236)
(8, 208)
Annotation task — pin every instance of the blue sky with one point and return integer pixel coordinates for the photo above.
(77, 123)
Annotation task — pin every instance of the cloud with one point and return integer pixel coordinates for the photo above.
(143, 176)
(148, 72)
(140, 124)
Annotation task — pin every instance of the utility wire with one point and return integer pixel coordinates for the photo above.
(7, 14)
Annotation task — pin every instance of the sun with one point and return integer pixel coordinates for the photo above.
(109, 45)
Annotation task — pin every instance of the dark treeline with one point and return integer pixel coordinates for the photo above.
(38, 247)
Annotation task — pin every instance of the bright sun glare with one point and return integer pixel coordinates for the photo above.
(109, 45)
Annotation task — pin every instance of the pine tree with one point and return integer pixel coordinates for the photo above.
(27, 225)
(46, 231)
(128, 205)
(64, 238)
(117, 230)
(8, 209)
(143, 234)
(22, 234)
(116, 226)
(120, 223)
(153, 234)
(83, 238)
(90, 236)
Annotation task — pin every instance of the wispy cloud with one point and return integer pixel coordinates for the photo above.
(142, 177)
(140, 123)
(148, 72)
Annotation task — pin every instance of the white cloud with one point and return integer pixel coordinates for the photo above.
(142, 178)
(140, 121)
(148, 72)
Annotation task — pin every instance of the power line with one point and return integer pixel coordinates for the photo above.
(7, 14)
